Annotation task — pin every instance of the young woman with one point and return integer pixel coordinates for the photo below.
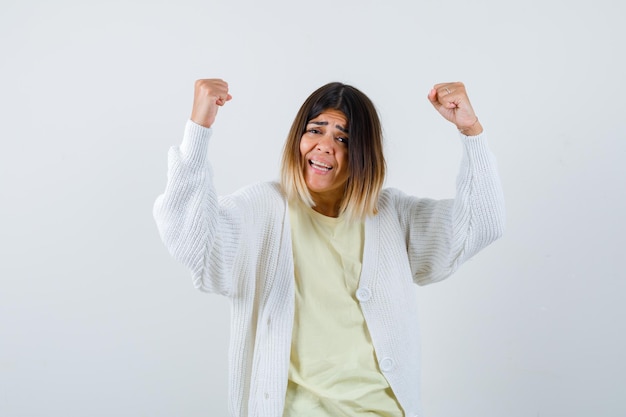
(319, 267)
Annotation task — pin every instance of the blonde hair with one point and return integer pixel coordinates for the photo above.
(366, 162)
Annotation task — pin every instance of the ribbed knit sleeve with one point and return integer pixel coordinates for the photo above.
(196, 229)
(441, 235)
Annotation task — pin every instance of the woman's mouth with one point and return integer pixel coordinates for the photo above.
(318, 165)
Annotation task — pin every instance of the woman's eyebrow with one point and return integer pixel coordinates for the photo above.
(325, 123)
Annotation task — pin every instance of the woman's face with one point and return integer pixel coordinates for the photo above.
(324, 147)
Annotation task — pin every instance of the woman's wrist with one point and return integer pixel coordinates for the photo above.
(473, 130)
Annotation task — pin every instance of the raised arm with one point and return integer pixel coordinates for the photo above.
(444, 234)
(197, 230)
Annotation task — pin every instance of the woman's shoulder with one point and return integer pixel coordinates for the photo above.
(395, 200)
(259, 194)
(389, 196)
(390, 192)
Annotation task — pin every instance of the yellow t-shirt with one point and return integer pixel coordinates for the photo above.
(333, 369)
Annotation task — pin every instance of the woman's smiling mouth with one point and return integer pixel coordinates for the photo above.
(318, 165)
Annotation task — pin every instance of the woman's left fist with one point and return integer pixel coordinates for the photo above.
(452, 102)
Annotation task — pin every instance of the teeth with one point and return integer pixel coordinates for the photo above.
(320, 164)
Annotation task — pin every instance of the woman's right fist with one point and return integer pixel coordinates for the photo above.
(209, 95)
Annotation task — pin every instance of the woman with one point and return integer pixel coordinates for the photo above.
(320, 267)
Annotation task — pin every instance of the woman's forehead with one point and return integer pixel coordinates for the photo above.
(331, 116)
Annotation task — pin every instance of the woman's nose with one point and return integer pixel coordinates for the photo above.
(325, 144)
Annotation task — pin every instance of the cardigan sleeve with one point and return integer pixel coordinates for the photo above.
(442, 234)
(199, 230)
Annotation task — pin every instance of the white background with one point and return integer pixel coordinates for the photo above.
(97, 320)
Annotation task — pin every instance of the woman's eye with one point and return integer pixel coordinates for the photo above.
(342, 140)
(315, 131)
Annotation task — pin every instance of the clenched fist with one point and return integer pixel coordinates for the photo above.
(451, 101)
(209, 96)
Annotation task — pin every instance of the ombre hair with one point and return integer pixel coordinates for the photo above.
(366, 163)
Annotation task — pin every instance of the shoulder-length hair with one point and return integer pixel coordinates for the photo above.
(366, 163)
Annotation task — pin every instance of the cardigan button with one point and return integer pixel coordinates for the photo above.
(363, 294)
(386, 364)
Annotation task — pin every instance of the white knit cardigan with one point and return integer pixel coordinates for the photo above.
(240, 246)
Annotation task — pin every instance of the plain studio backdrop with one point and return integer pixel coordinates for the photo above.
(96, 319)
